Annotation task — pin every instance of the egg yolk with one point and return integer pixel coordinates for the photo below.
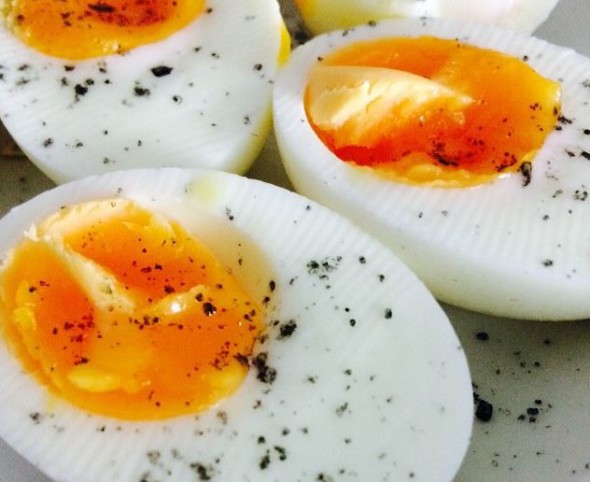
(125, 314)
(431, 111)
(74, 29)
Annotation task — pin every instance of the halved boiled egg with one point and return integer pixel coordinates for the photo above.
(185, 324)
(463, 147)
(522, 15)
(89, 87)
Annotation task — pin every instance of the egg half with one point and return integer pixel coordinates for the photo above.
(357, 373)
(516, 246)
(154, 84)
(521, 15)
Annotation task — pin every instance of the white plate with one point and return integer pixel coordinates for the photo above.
(521, 368)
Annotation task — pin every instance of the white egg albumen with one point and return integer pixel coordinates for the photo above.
(522, 15)
(499, 248)
(389, 398)
(211, 111)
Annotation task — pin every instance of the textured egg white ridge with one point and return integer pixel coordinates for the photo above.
(220, 118)
(467, 254)
(397, 389)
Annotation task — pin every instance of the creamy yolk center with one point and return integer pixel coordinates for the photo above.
(431, 111)
(125, 314)
(74, 29)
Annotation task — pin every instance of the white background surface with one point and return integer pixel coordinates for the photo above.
(521, 365)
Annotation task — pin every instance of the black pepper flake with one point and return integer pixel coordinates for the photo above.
(101, 7)
(287, 329)
(585, 155)
(266, 374)
(202, 471)
(484, 410)
(141, 91)
(242, 359)
(264, 461)
(80, 90)
(526, 170)
(342, 409)
(209, 309)
(322, 267)
(580, 195)
(47, 142)
(282, 452)
(36, 417)
(169, 289)
(482, 336)
(388, 313)
(548, 263)
(161, 70)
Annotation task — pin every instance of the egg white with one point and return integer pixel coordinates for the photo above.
(211, 111)
(499, 248)
(321, 16)
(386, 397)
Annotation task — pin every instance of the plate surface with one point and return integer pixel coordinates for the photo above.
(536, 375)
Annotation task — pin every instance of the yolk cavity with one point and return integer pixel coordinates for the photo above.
(125, 314)
(74, 29)
(431, 111)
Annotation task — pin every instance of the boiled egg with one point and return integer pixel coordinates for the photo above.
(522, 15)
(89, 87)
(387, 123)
(182, 324)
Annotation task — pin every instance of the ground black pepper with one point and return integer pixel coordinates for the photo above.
(484, 410)
(161, 70)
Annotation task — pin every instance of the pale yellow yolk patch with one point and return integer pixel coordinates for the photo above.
(123, 313)
(285, 45)
(74, 29)
(334, 14)
(431, 111)
(354, 101)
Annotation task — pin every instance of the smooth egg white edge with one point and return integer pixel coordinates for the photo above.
(212, 110)
(466, 255)
(520, 15)
(385, 399)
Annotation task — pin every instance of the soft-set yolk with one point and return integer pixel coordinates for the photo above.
(125, 314)
(471, 115)
(74, 29)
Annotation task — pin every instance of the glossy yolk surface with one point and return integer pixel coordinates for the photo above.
(125, 314)
(434, 138)
(74, 29)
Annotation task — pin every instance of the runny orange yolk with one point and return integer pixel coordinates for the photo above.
(125, 314)
(74, 29)
(430, 111)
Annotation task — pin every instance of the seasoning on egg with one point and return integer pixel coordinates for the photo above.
(484, 410)
(431, 111)
(124, 313)
(80, 30)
